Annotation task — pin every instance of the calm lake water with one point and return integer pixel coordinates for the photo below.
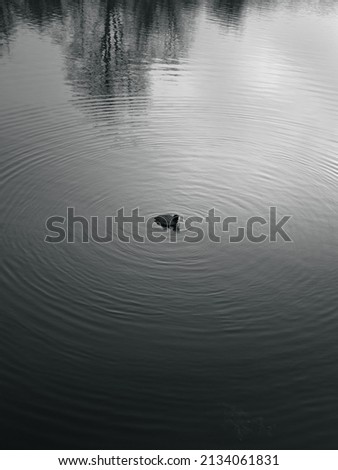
(169, 106)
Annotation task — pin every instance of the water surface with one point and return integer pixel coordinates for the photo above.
(169, 106)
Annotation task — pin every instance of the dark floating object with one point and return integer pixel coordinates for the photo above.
(167, 220)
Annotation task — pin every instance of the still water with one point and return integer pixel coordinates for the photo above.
(169, 106)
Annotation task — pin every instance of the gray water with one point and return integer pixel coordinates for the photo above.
(169, 106)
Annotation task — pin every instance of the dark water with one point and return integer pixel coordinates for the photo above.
(167, 106)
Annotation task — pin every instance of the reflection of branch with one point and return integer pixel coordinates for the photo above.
(106, 46)
(82, 26)
(116, 36)
(6, 20)
(121, 52)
